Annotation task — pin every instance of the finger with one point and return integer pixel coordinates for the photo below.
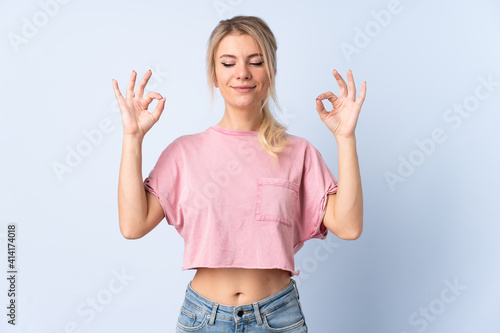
(328, 95)
(159, 109)
(152, 95)
(352, 87)
(362, 94)
(341, 82)
(320, 107)
(142, 84)
(118, 94)
(131, 84)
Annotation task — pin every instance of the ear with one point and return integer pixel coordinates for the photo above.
(216, 84)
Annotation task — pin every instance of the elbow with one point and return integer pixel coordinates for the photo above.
(352, 233)
(129, 233)
(352, 236)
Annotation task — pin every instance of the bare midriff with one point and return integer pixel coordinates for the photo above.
(238, 286)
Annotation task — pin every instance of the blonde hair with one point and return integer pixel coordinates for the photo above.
(271, 134)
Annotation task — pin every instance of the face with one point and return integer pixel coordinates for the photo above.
(241, 75)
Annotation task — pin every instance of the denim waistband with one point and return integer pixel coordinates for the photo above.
(245, 311)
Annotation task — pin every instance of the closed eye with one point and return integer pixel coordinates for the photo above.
(252, 63)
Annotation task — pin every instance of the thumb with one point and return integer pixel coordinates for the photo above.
(159, 109)
(320, 107)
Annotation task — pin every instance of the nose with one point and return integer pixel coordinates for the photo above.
(243, 72)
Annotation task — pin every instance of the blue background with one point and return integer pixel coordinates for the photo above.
(427, 260)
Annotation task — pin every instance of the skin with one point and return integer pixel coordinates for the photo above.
(344, 209)
(140, 211)
(237, 65)
(236, 286)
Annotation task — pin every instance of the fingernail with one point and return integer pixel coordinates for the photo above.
(319, 97)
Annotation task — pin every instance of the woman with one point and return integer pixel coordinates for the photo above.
(241, 216)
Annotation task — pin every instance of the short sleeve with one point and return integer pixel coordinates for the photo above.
(317, 182)
(163, 181)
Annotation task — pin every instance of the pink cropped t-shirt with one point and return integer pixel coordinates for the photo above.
(233, 206)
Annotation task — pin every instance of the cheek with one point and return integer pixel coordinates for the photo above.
(264, 79)
(219, 76)
(222, 79)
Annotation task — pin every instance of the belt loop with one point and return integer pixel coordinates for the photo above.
(296, 289)
(212, 316)
(257, 313)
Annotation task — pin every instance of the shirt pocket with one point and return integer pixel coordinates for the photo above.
(276, 200)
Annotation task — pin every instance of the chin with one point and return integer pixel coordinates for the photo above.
(245, 106)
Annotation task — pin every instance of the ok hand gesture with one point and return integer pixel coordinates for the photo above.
(342, 119)
(136, 118)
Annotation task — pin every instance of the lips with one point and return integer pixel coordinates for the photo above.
(243, 88)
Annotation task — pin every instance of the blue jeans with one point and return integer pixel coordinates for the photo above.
(280, 312)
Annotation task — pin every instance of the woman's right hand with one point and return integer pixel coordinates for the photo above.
(136, 118)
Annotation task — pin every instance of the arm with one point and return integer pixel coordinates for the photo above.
(344, 209)
(139, 211)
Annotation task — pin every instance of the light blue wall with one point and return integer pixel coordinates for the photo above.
(427, 260)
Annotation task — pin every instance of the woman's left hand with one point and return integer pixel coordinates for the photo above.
(342, 119)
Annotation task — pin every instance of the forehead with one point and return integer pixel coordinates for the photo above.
(238, 44)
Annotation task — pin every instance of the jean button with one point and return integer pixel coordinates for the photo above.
(240, 313)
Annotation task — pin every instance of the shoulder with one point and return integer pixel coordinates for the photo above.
(304, 150)
(185, 141)
(298, 143)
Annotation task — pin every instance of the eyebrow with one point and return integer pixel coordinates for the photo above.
(232, 56)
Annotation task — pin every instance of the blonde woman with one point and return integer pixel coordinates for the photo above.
(244, 194)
